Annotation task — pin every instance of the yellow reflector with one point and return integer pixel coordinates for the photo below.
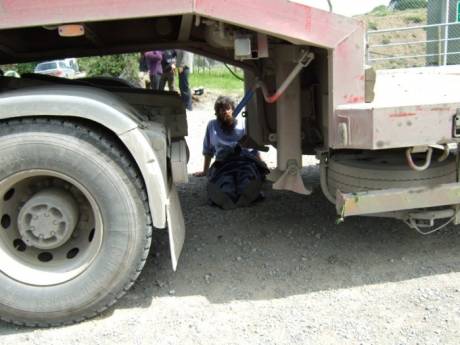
(71, 30)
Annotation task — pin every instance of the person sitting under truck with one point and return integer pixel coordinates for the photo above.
(236, 176)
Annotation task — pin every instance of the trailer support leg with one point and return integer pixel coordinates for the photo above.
(289, 151)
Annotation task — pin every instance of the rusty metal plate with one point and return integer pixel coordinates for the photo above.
(371, 202)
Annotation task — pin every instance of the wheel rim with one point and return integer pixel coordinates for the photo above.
(51, 227)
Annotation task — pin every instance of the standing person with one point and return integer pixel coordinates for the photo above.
(143, 71)
(183, 70)
(169, 69)
(153, 59)
(236, 177)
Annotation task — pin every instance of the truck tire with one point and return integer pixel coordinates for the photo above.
(384, 172)
(75, 228)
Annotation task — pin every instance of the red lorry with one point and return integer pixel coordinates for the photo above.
(88, 166)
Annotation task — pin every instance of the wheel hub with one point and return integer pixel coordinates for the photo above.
(48, 218)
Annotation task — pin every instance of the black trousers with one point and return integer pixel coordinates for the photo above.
(155, 81)
(167, 77)
(184, 87)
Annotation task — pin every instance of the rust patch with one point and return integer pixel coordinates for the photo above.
(440, 109)
(403, 114)
(308, 19)
(353, 99)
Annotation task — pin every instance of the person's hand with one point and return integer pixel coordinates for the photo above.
(244, 141)
(199, 174)
(173, 67)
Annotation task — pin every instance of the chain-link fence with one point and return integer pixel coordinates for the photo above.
(414, 33)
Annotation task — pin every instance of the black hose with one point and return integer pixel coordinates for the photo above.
(233, 73)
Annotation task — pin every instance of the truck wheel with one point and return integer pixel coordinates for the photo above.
(75, 228)
(384, 172)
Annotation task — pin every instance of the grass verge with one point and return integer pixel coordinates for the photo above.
(217, 80)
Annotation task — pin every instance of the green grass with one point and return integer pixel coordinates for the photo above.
(216, 80)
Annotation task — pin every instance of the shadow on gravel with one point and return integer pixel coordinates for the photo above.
(286, 245)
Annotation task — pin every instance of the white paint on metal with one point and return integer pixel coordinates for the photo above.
(288, 111)
(420, 86)
(179, 161)
(176, 226)
(148, 147)
(289, 150)
(77, 101)
(412, 107)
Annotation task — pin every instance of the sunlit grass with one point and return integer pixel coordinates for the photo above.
(219, 79)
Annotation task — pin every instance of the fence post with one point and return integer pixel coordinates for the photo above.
(439, 45)
(368, 53)
(446, 32)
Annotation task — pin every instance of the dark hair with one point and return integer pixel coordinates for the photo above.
(223, 102)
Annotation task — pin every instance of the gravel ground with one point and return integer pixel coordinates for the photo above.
(280, 272)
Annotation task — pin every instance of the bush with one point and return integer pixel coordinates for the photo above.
(372, 26)
(110, 65)
(402, 5)
(380, 11)
(28, 67)
(386, 40)
(414, 19)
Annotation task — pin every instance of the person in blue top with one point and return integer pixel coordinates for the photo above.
(235, 177)
(222, 134)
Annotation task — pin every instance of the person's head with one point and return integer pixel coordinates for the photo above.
(223, 109)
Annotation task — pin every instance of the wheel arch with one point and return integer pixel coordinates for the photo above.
(146, 143)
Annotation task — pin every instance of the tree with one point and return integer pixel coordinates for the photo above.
(110, 65)
(25, 67)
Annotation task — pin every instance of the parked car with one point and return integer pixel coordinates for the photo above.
(57, 68)
(73, 63)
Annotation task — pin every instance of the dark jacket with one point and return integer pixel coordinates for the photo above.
(169, 59)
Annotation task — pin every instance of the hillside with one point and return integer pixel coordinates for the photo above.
(382, 18)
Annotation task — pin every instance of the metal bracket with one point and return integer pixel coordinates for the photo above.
(291, 179)
(414, 166)
(426, 220)
(456, 125)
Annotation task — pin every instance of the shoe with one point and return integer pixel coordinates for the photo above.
(219, 198)
(250, 194)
